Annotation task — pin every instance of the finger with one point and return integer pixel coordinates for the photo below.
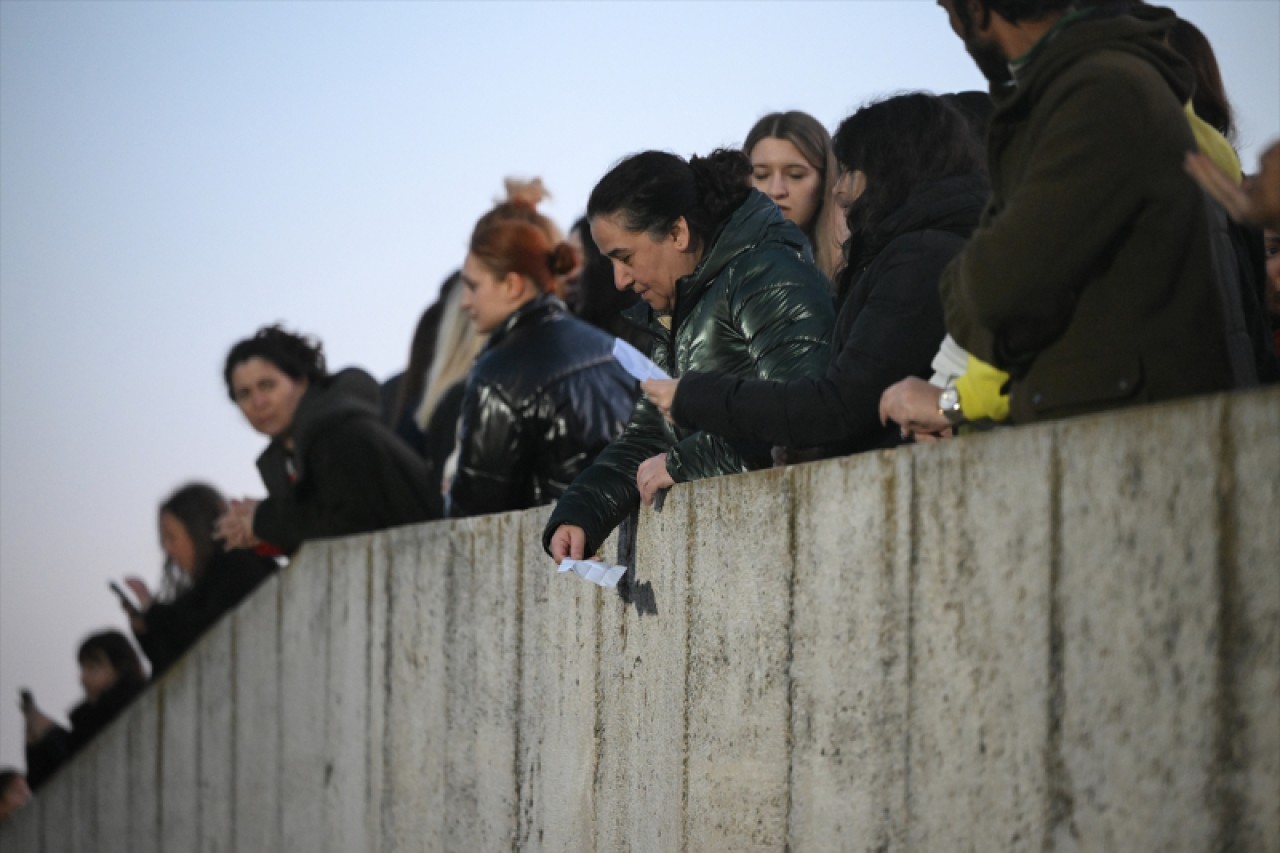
(577, 544)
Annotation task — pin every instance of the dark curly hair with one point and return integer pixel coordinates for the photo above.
(1012, 11)
(653, 189)
(296, 356)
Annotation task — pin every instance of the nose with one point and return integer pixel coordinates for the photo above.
(777, 185)
(622, 278)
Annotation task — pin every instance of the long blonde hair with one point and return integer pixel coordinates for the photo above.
(457, 345)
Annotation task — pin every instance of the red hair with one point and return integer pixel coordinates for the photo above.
(512, 246)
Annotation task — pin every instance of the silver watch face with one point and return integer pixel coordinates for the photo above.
(949, 401)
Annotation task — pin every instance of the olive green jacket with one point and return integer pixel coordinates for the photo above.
(1089, 278)
(755, 306)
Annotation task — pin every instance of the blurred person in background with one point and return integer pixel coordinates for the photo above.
(332, 467)
(219, 578)
(112, 677)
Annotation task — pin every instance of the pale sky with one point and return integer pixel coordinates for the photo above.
(174, 175)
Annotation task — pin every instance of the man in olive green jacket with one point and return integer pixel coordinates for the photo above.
(1090, 277)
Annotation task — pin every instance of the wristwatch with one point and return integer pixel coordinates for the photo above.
(949, 406)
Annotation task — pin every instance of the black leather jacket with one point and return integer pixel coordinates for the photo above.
(545, 396)
(755, 306)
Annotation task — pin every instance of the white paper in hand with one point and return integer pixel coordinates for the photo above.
(598, 573)
(634, 362)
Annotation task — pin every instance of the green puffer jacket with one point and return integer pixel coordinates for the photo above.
(755, 306)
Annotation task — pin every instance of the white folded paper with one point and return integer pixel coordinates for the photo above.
(634, 362)
(599, 573)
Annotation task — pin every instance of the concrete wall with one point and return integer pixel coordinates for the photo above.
(1055, 638)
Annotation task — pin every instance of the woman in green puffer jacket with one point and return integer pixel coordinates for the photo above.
(727, 284)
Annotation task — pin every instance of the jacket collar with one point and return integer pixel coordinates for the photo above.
(542, 307)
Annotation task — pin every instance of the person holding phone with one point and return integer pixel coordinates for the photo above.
(215, 578)
(112, 676)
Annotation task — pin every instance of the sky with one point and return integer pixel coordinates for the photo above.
(174, 175)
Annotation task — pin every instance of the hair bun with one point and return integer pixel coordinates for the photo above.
(563, 259)
(525, 191)
(723, 178)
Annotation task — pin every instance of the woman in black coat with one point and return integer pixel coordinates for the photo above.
(333, 468)
(111, 675)
(545, 395)
(913, 187)
(214, 579)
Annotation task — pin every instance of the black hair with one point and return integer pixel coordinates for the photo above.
(900, 143)
(976, 107)
(197, 506)
(1012, 11)
(653, 189)
(1209, 100)
(116, 649)
(296, 356)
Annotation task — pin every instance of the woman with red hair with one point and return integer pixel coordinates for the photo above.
(545, 395)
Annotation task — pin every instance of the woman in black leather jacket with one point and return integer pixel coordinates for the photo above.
(545, 395)
(728, 284)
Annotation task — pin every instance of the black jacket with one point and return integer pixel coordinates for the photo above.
(755, 306)
(46, 755)
(889, 326)
(346, 473)
(174, 627)
(544, 397)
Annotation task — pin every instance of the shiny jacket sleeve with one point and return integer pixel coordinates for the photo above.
(894, 334)
(605, 493)
(491, 454)
(782, 305)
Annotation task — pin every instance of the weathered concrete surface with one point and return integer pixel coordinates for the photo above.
(1057, 638)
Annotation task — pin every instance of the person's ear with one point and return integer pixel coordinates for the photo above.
(513, 285)
(680, 234)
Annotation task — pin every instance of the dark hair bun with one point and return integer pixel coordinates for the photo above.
(562, 259)
(723, 178)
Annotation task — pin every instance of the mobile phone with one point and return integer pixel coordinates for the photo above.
(124, 598)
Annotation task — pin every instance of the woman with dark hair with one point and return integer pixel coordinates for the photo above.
(917, 191)
(728, 284)
(793, 163)
(111, 675)
(545, 395)
(332, 467)
(217, 578)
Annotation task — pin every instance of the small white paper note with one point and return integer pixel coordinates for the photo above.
(634, 362)
(598, 573)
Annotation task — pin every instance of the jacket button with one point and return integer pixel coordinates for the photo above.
(1123, 385)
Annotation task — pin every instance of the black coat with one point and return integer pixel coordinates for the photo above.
(174, 627)
(58, 745)
(346, 473)
(755, 305)
(544, 397)
(889, 327)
